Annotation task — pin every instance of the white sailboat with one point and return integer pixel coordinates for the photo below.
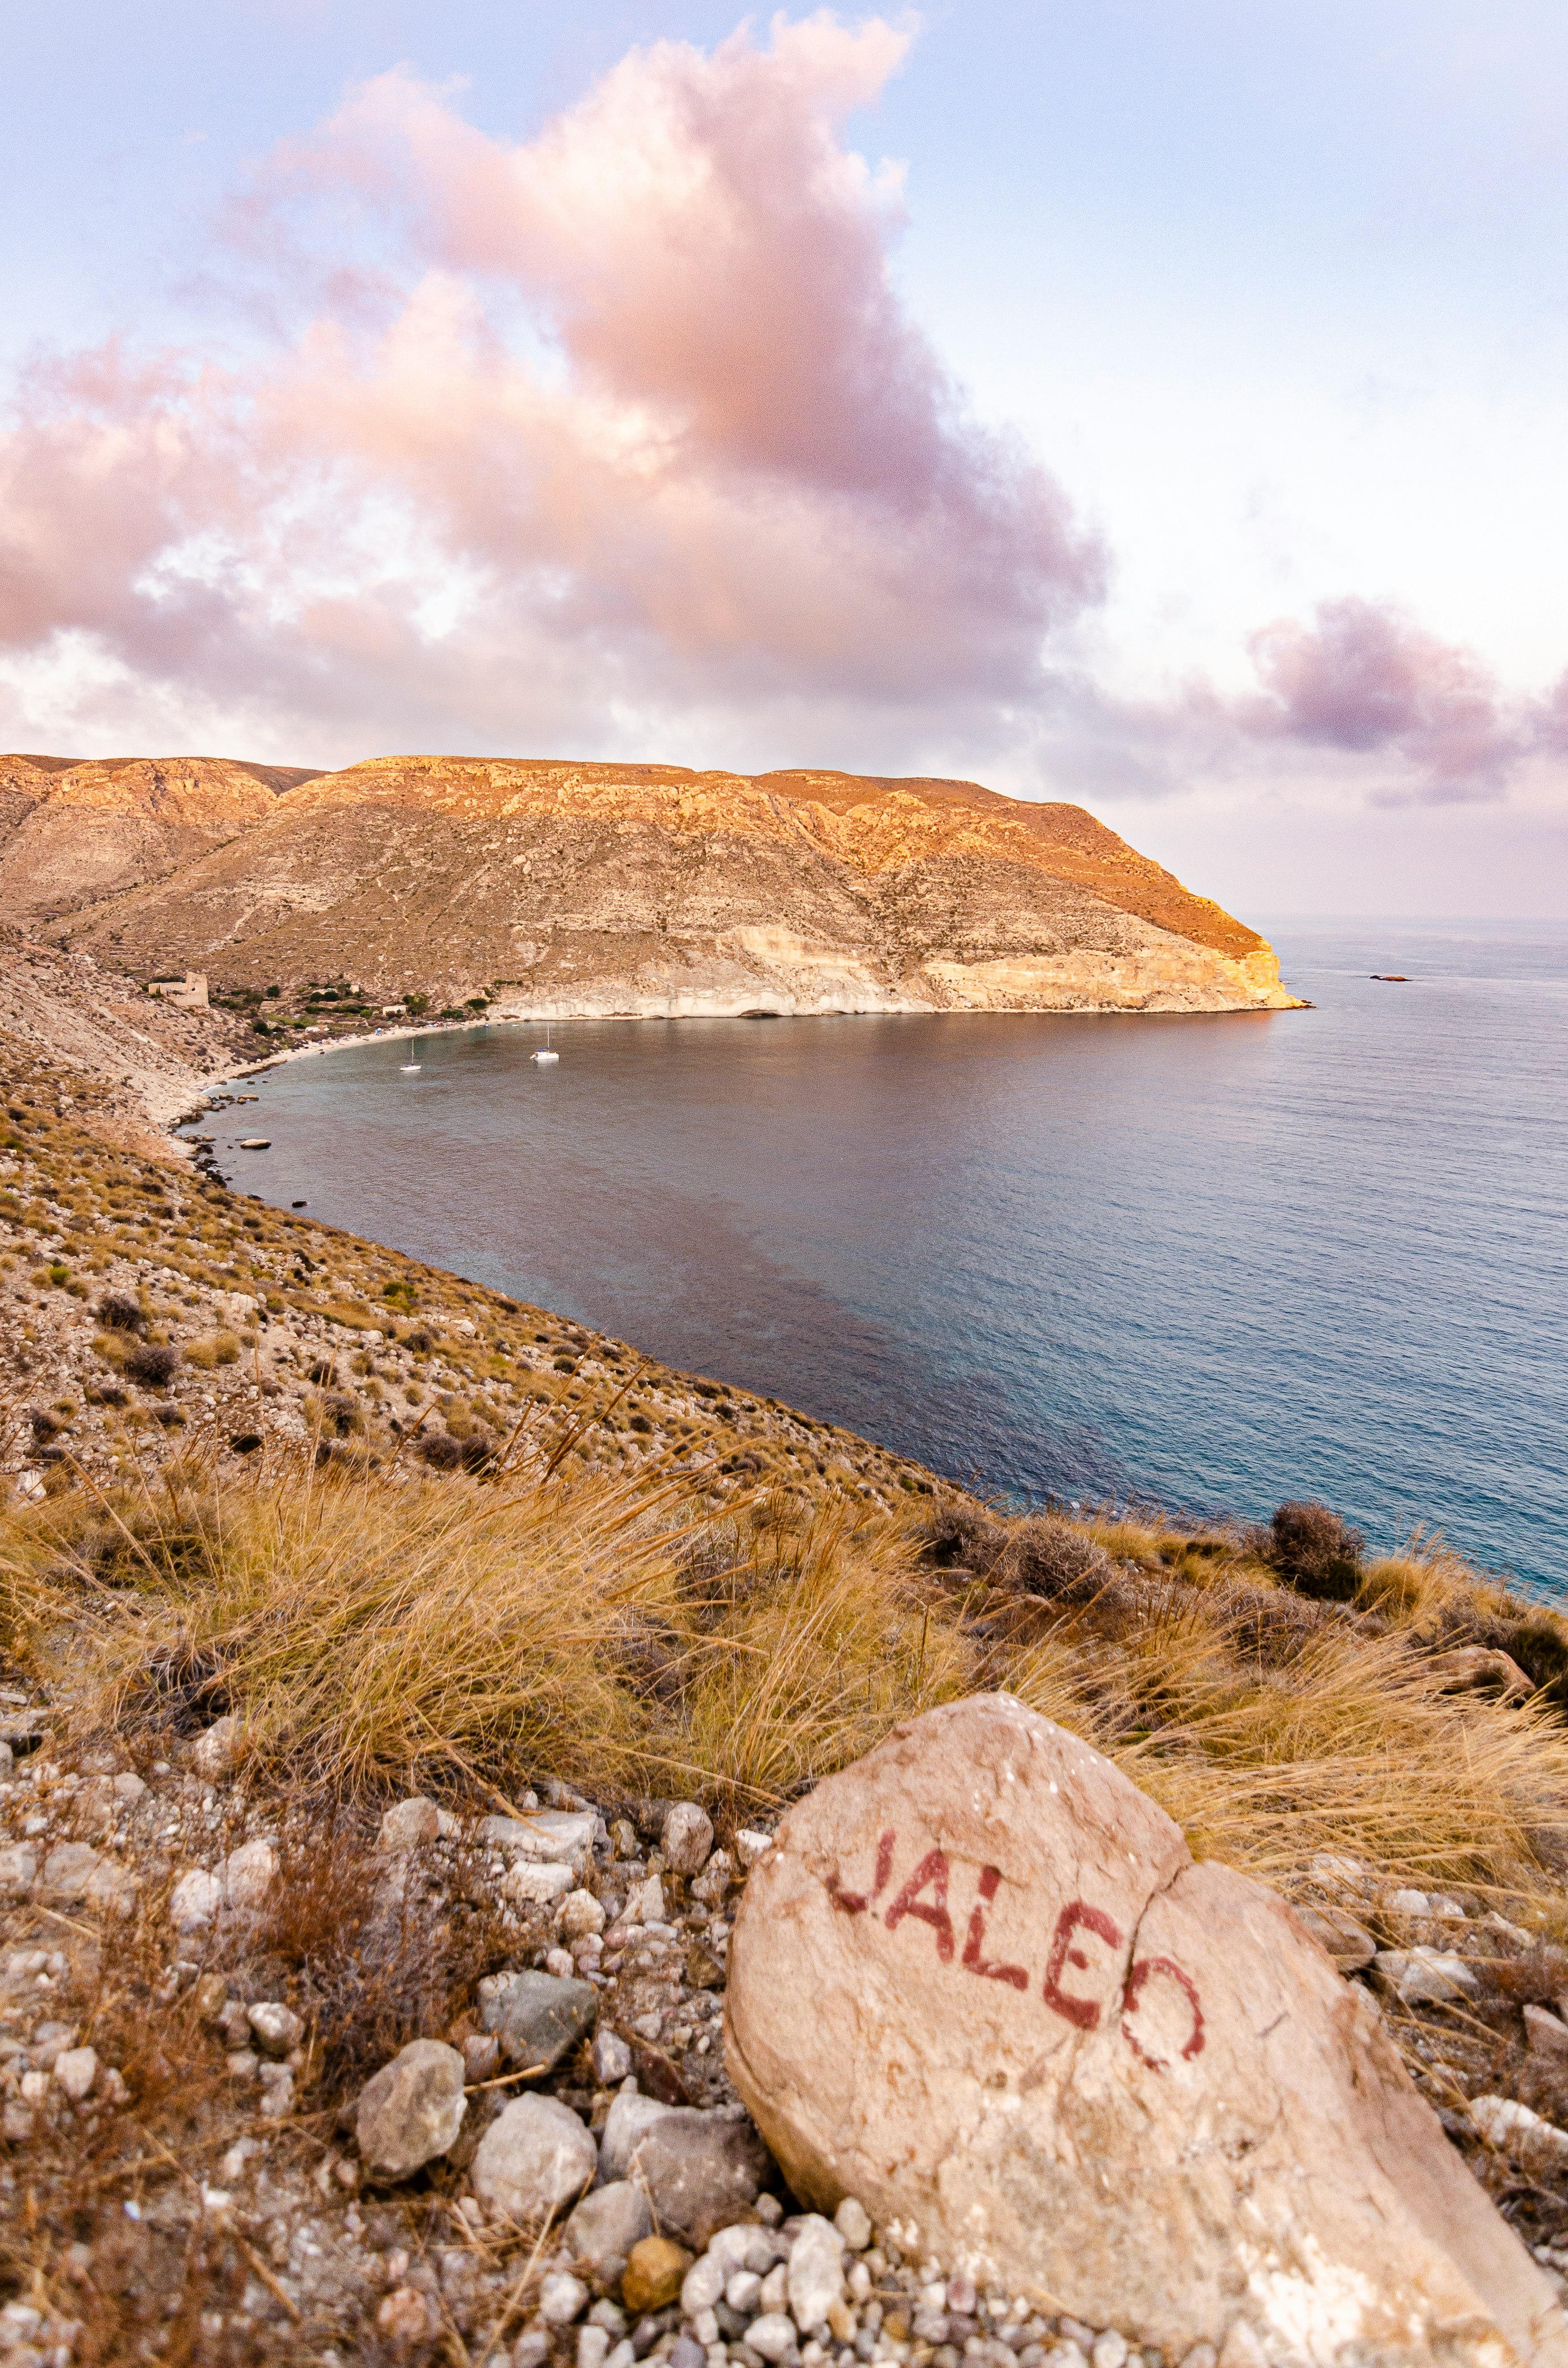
(544, 1052)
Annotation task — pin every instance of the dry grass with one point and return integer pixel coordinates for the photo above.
(377, 1629)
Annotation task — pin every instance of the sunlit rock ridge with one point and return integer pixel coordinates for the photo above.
(600, 890)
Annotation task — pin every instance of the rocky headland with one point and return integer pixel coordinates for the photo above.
(595, 890)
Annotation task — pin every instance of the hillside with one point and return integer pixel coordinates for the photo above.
(71, 833)
(383, 1662)
(575, 889)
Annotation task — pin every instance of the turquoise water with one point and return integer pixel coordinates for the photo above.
(1213, 1261)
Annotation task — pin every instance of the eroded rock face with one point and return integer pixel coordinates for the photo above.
(979, 1983)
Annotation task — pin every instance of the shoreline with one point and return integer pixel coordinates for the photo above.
(539, 1018)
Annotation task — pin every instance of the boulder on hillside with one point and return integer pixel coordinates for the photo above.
(979, 1983)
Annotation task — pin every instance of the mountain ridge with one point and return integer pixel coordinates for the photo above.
(586, 888)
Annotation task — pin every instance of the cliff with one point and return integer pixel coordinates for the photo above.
(642, 889)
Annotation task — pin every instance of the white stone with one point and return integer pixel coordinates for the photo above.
(534, 2157)
(1513, 2129)
(578, 1915)
(772, 2335)
(19, 1870)
(75, 2071)
(1109, 2351)
(216, 1752)
(704, 2284)
(979, 1983)
(644, 1902)
(816, 2272)
(853, 2222)
(195, 1900)
(129, 1786)
(1423, 1976)
(536, 1880)
(278, 2091)
(249, 1874)
(742, 2290)
(629, 2118)
(561, 2297)
(1407, 1903)
(277, 2026)
(750, 1846)
(560, 1834)
(687, 1838)
(593, 2345)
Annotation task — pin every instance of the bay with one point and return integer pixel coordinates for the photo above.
(1211, 1262)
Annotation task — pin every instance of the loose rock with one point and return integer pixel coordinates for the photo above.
(606, 2226)
(412, 2111)
(701, 2171)
(535, 2157)
(687, 1838)
(216, 1752)
(537, 2017)
(979, 1983)
(816, 2272)
(654, 2269)
(629, 2119)
(409, 1824)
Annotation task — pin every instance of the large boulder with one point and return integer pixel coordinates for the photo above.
(979, 1983)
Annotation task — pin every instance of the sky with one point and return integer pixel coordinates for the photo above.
(1156, 404)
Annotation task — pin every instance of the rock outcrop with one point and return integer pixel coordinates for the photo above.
(979, 1983)
(643, 891)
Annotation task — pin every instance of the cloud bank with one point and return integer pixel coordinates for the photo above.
(616, 436)
(629, 415)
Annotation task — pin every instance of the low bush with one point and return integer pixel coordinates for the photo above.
(118, 1314)
(1316, 1552)
(152, 1363)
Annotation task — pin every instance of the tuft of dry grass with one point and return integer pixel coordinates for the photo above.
(377, 1628)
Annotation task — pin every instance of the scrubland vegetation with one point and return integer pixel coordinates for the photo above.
(375, 1629)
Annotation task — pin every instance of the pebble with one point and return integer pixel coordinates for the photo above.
(750, 1846)
(816, 2274)
(535, 2157)
(215, 1753)
(853, 2222)
(561, 2297)
(409, 1824)
(687, 1838)
(611, 2058)
(277, 2026)
(75, 2071)
(411, 2111)
(654, 2269)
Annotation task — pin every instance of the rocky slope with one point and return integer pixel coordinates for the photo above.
(594, 890)
(71, 833)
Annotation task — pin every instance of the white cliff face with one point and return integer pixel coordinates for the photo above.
(771, 971)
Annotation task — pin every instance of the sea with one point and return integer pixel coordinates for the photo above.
(1203, 1262)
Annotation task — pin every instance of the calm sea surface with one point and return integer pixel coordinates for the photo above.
(1210, 1262)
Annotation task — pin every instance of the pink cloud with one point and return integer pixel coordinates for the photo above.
(1365, 679)
(632, 409)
